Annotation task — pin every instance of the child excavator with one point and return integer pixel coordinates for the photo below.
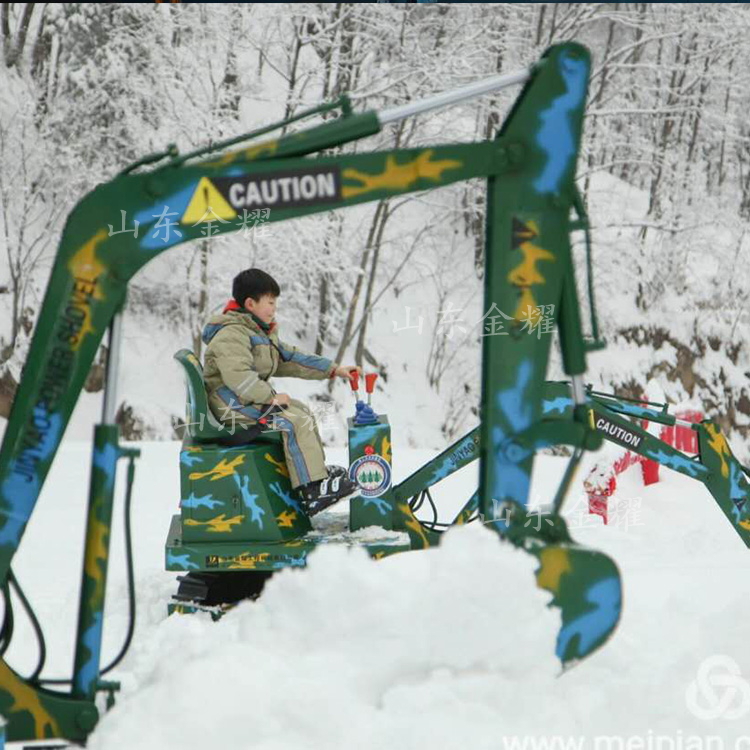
(238, 522)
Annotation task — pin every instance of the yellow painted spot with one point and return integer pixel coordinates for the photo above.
(221, 524)
(745, 525)
(84, 264)
(554, 563)
(25, 698)
(287, 518)
(96, 551)
(223, 469)
(281, 467)
(719, 444)
(385, 448)
(398, 176)
(245, 154)
(527, 274)
(378, 556)
(413, 524)
(248, 562)
(86, 270)
(194, 448)
(207, 204)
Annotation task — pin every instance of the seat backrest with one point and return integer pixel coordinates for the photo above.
(198, 426)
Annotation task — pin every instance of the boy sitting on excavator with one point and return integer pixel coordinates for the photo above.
(243, 351)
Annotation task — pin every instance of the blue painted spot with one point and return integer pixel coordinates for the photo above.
(738, 493)
(605, 596)
(678, 463)
(21, 487)
(249, 499)
(363, 436)
(556, 405)
(161, 238)
(442, 470)
(177, 202)
(92, 639)
(288, 500)
(234, 172)
(382, 505)
(189, 458)
(206, 501)
(160, 225)
(290, 561)
(106, 461)
(182, 561)
(555, 135)
(447, 465)
(511, 480)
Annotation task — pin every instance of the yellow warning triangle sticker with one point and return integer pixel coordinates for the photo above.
(207, 204)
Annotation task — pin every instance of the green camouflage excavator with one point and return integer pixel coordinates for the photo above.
(238, 520)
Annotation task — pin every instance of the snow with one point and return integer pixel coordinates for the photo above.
(443, 648)
(452, 646)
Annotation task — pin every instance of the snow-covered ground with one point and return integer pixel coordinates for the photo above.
(447, 648)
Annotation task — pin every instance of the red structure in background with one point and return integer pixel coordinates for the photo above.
(678, 436)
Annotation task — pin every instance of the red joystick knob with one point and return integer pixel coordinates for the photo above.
(370, 379)
(263, 420)
(354, 379)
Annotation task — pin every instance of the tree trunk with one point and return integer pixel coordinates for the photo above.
(202, 304)
(13, 48)
(358, 356)
(349, 323)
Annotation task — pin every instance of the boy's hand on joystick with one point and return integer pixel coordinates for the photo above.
(344, 370)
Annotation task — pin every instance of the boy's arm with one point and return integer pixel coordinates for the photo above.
(296, 364)
(234, 359)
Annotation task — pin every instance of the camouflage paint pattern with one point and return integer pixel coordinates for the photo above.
(726, 480)
(528, 266)
(461, 453)
(241, 493)
(221, 554)
(373, 439)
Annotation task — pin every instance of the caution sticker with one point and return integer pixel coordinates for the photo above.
(207, 204)
(226, 197)
(617, 433)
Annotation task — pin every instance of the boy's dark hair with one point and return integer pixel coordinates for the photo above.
(253, 283)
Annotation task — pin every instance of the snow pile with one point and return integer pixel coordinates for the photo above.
(414, 651)
(446, 648)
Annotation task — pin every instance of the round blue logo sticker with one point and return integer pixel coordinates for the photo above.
(372, 473)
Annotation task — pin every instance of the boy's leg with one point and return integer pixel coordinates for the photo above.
(303, 448)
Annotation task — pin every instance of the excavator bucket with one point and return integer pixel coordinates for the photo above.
(585, 587)
(584, 583)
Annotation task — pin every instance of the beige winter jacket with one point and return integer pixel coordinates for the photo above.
(239, 360)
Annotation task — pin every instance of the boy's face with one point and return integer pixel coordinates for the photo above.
(264, 308)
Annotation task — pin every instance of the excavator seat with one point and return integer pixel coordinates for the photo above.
(202, 426)
(234, 489)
